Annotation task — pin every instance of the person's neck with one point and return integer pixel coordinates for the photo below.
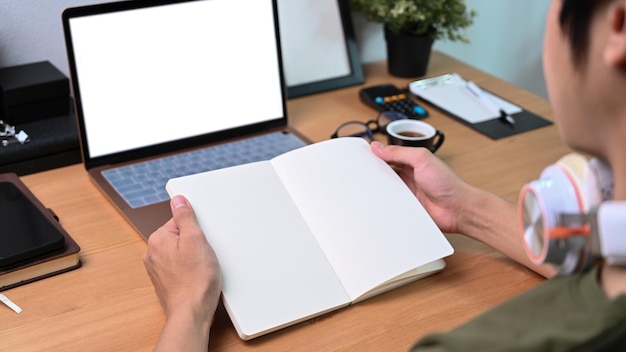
(619, 179)
(613, 280)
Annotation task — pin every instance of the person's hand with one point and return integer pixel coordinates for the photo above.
(436, 186)
(456, 206)
(186, 276)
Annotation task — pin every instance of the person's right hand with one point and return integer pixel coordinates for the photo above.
(456, 206)
(441, 191)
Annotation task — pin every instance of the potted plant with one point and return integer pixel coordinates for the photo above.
(412, 26)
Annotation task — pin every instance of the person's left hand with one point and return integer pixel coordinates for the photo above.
(186, 275)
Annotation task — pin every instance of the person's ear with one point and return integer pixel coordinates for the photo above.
(615, 50)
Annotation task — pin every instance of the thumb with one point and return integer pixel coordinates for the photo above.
(388, 153)
(184, 216)
(398, 154)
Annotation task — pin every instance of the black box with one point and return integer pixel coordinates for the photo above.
(53, 143)
(33, 92)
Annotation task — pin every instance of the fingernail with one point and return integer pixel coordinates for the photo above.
(376, 144)
(178, 201)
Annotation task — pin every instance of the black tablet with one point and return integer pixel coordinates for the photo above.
(27, 229)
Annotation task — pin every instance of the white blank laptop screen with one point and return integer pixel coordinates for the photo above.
(158, 74)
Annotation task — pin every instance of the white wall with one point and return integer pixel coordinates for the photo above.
(507, 41)
(506, 37)
(31, 30)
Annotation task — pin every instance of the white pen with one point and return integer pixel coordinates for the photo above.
(489, 103)
(4, 299)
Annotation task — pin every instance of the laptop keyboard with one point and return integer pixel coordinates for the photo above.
(143, 183)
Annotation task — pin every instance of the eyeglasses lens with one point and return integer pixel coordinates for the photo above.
(386, 117)
(355, 129)
(367, 129)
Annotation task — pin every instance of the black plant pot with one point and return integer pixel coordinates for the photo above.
(407, 55)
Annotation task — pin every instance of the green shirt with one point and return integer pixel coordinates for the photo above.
(563, 314)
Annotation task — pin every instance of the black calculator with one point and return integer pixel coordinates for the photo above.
(387, 97)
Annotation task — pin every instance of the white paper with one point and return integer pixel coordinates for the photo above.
(343, 210)
(273, 270)
(452, 95)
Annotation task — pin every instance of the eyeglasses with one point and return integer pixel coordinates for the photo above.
(367, 129)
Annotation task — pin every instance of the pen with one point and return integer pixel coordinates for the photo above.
(4, 299)
(489, 103)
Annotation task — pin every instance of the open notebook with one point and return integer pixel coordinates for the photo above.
(156, 78)
(310, 231)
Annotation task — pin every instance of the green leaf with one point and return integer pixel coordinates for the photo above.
(439, 19)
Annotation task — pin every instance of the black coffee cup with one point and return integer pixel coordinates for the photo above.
(414, 133)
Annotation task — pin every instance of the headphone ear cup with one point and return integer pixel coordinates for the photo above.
(570, 186)
(584, 180)
(558, 190)
(541, 202)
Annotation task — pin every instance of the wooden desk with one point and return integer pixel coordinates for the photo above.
(109, 303)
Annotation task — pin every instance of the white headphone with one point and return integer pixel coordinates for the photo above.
(568, 217)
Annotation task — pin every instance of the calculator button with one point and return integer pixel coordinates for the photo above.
(389, 98)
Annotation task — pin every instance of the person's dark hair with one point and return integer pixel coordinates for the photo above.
(575, 20)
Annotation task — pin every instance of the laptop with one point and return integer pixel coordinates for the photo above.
(154, 80)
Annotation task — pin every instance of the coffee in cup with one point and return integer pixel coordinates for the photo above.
(414, 133)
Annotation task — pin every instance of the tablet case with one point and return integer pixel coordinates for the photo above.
(48, 242)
